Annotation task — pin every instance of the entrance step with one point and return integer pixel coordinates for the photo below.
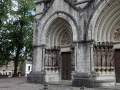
(63, 82)
(105, 81)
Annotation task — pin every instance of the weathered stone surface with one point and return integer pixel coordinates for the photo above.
(36, 77)
(21, 84)
(83, 80)
(81, 25)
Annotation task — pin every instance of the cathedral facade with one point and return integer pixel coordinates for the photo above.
(77, 40)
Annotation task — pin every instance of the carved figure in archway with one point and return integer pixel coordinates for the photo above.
(117, 35)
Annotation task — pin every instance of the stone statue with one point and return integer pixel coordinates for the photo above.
(117, 35)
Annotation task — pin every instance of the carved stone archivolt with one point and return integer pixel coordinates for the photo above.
(59, 34)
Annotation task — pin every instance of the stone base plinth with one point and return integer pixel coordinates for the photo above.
(52, 76)
(82, 80)
(36, 77)
(105, 80)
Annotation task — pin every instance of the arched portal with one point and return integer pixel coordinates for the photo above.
(59, 34)
(59, 52)
(106, 22)
(105, 30)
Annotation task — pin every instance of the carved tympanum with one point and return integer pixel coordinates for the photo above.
(117, 34)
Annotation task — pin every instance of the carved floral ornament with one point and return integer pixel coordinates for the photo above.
(116, 35)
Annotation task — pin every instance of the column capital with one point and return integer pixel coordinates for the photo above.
(83, 41)
(39, 46)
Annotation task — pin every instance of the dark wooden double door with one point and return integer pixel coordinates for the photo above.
(117, 64)
(66, 65)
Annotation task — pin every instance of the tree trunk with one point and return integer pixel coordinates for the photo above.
(16, 62)
(15, 68)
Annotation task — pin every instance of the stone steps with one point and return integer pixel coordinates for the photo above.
(62, 82)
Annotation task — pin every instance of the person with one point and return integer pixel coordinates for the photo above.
(19, 74)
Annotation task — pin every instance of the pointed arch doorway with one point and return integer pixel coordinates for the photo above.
(60, 39)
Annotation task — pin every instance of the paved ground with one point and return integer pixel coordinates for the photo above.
(21, 84)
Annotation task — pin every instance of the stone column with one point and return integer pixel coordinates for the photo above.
(84, 64)
(38, 73)
(38, 57)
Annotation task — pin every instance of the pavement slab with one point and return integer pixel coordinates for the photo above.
(21, 84)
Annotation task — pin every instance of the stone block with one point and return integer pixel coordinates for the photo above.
(83, 80)
(36, 77)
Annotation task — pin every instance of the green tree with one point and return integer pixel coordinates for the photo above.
(18, 33)
(5, 8)
(21, 32)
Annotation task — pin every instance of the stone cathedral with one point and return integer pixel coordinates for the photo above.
(77, 41)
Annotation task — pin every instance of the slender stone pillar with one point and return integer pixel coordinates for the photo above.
(37, 74)
(84, 63)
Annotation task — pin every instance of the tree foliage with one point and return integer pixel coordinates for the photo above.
(16, 31)
(5, 6)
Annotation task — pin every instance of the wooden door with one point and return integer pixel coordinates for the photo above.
(66, 66)
(117, 64)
